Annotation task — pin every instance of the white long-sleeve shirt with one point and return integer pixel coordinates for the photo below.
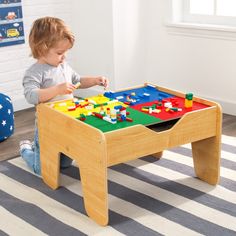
(40, 76)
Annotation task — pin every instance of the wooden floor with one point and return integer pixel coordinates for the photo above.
(24, 129)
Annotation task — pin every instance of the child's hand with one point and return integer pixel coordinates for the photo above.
(65, 88)
(102, 81)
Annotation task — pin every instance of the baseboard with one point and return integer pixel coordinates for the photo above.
(20, 104)
(228, 107)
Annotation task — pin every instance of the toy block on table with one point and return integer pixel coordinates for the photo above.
(136, 96)
(110, 107)
(104, 113)
(169, 111)
(115, 114)
(188, 102)
(134, 118)
(74, 108)
(86, 107)
(77, 85)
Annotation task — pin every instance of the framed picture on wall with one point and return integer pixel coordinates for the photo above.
(11, 23)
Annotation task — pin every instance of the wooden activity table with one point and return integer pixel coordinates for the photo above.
(95, 150)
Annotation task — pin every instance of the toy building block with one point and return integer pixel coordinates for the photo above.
(77, 85)
(100, 105)
(118, 107)
(156, 111)
(175, 109)
(71, 108)
(145, 109)
(146, 94)
(109, 94)
(159, 103)
(92, 101)
(129, 119)
(108, 112)
(123, 111)
(82, 117)
(174, 101)
(119, 97)
(102, 110)
(188, 102)
(114, 115)
(98, 115)
(112, 101)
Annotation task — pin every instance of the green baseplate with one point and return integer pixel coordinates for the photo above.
(138, 118)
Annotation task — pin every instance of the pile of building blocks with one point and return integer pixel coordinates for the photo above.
(110, 110)
(146, 103)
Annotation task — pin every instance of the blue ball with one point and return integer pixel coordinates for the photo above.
(6, 117)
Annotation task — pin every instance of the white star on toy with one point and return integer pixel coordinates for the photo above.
(4, 122)
(9, 111)
(11, 128)
(1, 106)
(8, 100)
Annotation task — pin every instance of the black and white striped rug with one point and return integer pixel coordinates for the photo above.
(146, 197)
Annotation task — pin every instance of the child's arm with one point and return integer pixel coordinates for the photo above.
(51, 92)
(89, 81)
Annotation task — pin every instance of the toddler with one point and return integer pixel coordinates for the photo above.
(50, 78)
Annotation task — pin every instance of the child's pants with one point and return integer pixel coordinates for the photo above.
(32, 157)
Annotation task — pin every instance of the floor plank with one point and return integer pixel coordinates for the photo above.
(24, 129)
(229, 125)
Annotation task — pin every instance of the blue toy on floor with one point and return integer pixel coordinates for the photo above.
(6, 117)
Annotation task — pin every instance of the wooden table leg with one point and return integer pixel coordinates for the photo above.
(207, 153)
(206, 158)
(93, 179)
(50, 164)
(94, 187)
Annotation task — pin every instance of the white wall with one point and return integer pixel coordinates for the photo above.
(127, 40)
(202, 65)
(130, 42)
(93, 50)
(15, 60)
(143, 50)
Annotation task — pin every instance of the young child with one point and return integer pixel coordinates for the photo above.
(50, 78)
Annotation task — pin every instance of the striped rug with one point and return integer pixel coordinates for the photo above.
(146, 197)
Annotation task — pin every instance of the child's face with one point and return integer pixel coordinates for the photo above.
(56, 55)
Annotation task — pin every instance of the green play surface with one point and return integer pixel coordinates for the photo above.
(137, 116)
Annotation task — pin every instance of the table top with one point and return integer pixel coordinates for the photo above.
(145, 105)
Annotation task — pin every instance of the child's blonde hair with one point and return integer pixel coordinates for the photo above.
(45, 33)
